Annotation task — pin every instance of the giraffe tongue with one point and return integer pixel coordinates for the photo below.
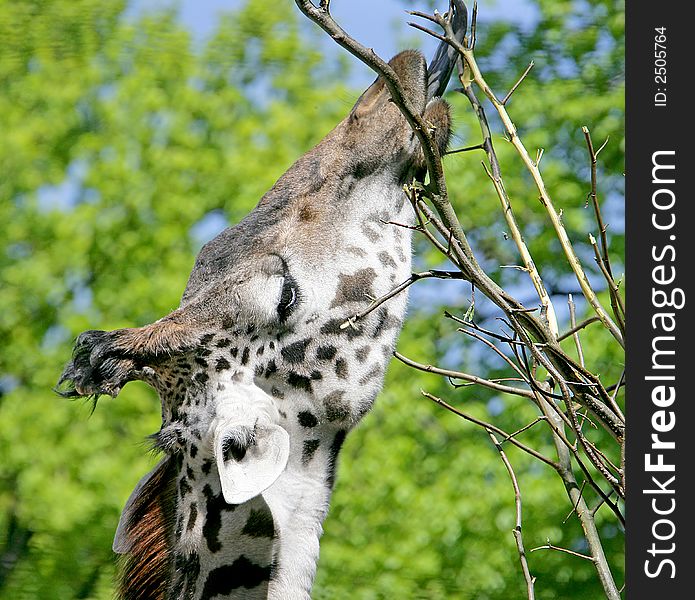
(252, 467)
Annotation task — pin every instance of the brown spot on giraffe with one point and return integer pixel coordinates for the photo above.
(355, 288)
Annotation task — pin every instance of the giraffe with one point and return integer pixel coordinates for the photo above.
(259, 373)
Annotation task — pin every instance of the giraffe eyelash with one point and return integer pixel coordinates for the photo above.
(288, 298)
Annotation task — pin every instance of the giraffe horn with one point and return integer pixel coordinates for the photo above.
(442, 64)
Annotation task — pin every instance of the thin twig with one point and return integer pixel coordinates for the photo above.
(397, 290)
(574, 507)
(573, 323)
(419, 27)
(518, 538)
(497, 351)
(474, 26)
(494, 173)
(495, 380)
(549, 546)
(516, 85)
(540, 419)
(594, 197)
(491, 427)
(412, 192)
(616, 301)
(600, 503)
(498, 387)
(612, 398)
(466, 149)
(578, 327)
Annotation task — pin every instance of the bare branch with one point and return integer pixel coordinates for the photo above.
(491, 427)
(472, 72)
(516, 85)
(465, 377)
(474, 25)
(583, 513)
(350, 322)
(574, 507)
(466, 149)
(594, 198)
(517, 527)
(573, 323)
(540, 419)
(549, 546)
(578, 327)
(616, 301)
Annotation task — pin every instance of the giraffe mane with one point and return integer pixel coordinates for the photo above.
(144, 571)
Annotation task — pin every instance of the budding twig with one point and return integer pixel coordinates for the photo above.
(516, 85)
(517, 527)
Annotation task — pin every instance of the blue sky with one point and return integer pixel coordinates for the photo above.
(374, 22)
(379, 24)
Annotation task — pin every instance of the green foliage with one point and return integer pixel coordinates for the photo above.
(121, 143)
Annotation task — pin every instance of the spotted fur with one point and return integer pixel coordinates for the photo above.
(261, 370)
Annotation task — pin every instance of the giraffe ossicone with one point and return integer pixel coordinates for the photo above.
(260, 378)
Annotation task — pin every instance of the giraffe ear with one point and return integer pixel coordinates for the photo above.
(249, 460)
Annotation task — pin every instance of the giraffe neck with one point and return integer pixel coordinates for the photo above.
(315, 382)
(184, 541)
(266, 547)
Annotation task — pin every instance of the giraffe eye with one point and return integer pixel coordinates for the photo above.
(288, 298)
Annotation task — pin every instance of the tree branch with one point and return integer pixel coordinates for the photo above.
(517, 527)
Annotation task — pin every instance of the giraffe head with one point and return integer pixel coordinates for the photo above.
(305, 216)
(282, 284)
(263, 369)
